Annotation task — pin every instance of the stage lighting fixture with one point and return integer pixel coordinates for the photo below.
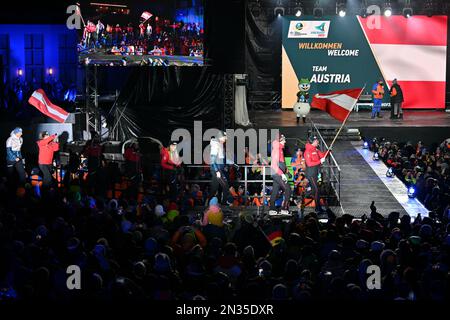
(256, 10)
(390, 173)
(366, 145)
(407, 10)
(298, 9)
(318, 10)
(429, 8)
(278, 11)
(363, 11)
(376, 156)
(341, 8)
(411, 192)
(388, 12)
(20, 72)
(50, 71)
(387, 9)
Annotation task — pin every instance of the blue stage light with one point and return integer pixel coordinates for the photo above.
(376, 157)
(411, 192)
(366, 145)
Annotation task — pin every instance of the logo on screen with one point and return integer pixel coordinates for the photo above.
(309, 29)
(321, 27)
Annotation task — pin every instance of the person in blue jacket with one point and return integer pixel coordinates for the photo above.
(14, 159)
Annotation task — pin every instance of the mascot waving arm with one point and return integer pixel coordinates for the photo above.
(302, 107)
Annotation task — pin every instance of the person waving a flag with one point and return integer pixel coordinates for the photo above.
(314, 159)
(47, 147)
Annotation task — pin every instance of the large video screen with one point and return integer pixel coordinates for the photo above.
(335, 53)
(142, 33)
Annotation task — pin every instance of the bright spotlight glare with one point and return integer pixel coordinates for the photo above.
(298, 13)
(342, 13)
(388, 12)
(376, 156)
(390, 173)
(411, 192)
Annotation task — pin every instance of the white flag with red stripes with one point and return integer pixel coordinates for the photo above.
(338, 104)
(40, 101)
(413, 51)
(146, 15)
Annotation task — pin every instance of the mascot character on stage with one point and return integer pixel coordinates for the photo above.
(302, 107)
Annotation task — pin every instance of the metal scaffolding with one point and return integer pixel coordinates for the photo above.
(93, 117)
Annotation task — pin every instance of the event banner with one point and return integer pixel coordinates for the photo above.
(336, 53)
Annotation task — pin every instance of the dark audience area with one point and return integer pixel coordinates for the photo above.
(154, 250)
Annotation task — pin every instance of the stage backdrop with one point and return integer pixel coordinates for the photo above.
(336, 53)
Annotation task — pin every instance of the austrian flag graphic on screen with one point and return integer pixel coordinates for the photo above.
(336, 53)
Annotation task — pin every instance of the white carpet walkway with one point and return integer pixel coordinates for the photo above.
(395, 185)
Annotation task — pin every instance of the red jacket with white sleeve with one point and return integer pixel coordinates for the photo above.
(313, 155)
(46, 149)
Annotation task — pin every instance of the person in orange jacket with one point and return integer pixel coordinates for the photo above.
(47, 147)
(396, 93)
(378, 94)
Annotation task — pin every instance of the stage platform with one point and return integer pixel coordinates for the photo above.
(231, 213)
(363, 180)
(429, 126)
(412, 118)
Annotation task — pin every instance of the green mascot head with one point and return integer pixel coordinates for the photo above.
(304, 85)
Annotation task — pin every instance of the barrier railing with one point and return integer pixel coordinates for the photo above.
(261, 175)
(330, 168)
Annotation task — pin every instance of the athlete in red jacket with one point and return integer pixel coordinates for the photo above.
(169, 164)
(166, 161)
(314, 158)
(47, 147)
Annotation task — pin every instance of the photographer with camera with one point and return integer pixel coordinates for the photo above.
(279, 176)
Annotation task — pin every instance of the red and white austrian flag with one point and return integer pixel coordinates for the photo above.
(146, 15)
(40, 101)
(338, 104)
(423, 41)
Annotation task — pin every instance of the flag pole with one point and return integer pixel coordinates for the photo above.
(343, 123)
